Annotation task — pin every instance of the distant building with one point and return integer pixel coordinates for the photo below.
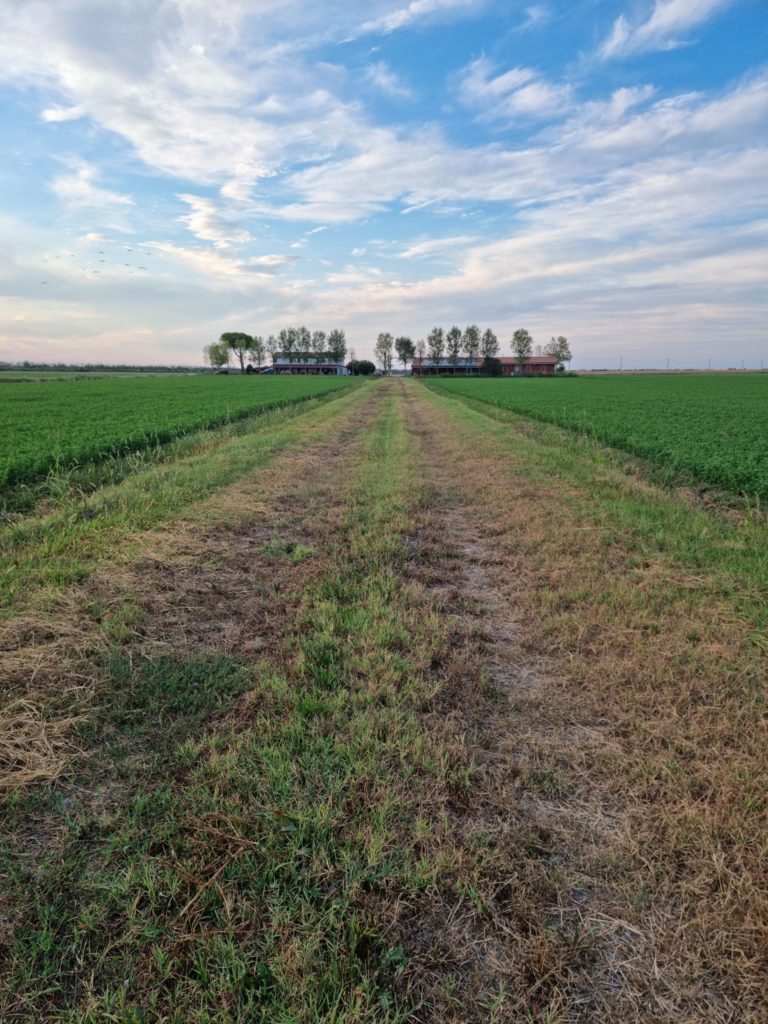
(306, 363)
(511, 366)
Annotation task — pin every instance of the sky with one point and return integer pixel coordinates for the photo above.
(174, 169)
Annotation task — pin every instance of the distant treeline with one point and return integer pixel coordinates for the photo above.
(94, 368)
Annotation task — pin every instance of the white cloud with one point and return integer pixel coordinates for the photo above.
(211, 221)
(387, 80)
(136, 69)
(56, 114)
(435, 246)
(536, 14)
(416, 10)
(663, 29)
(518, 93)
(272, 260)
(220, 268)
(78, 190)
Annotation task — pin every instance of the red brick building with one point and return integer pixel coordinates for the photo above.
(511, 366)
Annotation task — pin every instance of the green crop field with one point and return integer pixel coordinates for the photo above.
(60, 422)
(711, 429)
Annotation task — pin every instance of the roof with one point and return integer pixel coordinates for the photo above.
(305, 359)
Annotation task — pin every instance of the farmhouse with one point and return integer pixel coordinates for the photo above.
(511, 366)
(306, 363)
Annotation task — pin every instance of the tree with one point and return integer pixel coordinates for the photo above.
(272, 346)
(559, 348)
(304, 342)
(240, 343)
(522, 344)
(489, 345)
(384, 344)
(217, 354)
(257, 351)
(491, 366)
(436, 344)
(337, 345)
(421, 348)
(453, 345)
(405, 351)
(471, 341)
(288, 341)
(361, 367)
(318, 342)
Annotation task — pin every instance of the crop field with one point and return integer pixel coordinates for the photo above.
(49, 423)
(381, 707)
(710, 429)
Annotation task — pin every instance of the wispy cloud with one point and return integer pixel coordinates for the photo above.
(78, 190)
(508, 95)
(535, 15)
(663, 29)
(416, 10)
(430, 247)
(387, 81)
(211, 221)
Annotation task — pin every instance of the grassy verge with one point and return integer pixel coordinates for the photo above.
(254, 869)
(61, 545)
(647, 618)
(732, 551)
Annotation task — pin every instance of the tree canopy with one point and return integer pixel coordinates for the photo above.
(384, 345)
(522, 344)
(405, 349)
(217, 354)
(436, 344)
(361, 367)
(240, 343)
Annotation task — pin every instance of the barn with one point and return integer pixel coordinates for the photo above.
(511, 366)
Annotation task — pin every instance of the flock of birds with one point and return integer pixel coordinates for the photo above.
(88, 269)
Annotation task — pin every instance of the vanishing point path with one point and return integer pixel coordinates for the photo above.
(389, 708)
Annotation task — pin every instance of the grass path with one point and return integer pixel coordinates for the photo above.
(395, 721)
(634, 634)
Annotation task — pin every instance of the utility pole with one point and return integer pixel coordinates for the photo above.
(621, 363)
(710, 365)
(667, 364)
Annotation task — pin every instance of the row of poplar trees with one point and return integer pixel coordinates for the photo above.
(454, 344)
(297, 343)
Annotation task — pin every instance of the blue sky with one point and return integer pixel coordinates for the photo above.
(177, 168)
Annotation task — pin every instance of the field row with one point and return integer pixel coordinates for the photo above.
(707, 429)
(61, 423)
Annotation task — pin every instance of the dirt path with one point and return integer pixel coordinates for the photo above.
(616, 930)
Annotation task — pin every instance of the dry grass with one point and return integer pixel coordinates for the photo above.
(32, 748)
(202, 583)
(642, 744)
